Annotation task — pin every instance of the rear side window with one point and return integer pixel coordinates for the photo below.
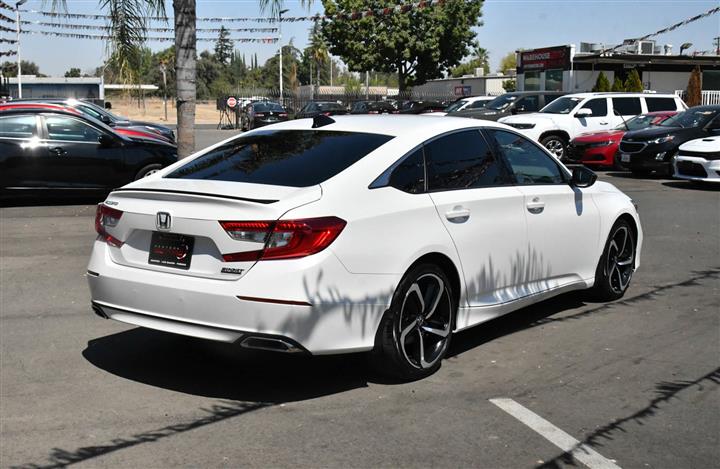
(597, 106)
(71, 130)
(18, 126)
(529, 103)
(660, 104)
(295, 158)
(462, 160)
(409, 176)
(627, 106)
(529, 163)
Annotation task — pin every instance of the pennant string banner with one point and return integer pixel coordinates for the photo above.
(7, 19)
(290, 19)
(7, 52)
(263, 40)
(156, 30)
(5, 6)
(7, 41)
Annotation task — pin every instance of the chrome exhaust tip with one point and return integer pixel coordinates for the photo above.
(271, 344)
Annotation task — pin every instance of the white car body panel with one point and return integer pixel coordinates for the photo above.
(334, 300)
(692, 152)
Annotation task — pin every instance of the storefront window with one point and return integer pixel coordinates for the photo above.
(553, 80)
(532, 81)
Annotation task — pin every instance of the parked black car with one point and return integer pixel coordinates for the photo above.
(517, 102)
(44, 150)
(420, 107)
(372, 107)
(261, 113)
(106, 117)
(652, 149)
(326, 108)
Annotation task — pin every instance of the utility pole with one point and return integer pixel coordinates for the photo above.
(367, 85)
(331, 64)
(17, 29)
(716, 41)
(280, 13)
(163, 69)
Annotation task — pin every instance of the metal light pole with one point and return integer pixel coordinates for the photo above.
(163, 69)
(280, 13)
(17, 30)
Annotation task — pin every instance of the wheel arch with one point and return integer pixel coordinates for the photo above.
(447, 266)
(558, 132)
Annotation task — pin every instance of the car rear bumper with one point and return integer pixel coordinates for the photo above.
(314, 303)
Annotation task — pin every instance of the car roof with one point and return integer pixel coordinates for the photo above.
(619, 94)
(392, 124)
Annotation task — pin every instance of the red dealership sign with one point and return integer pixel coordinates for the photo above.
(544, 59)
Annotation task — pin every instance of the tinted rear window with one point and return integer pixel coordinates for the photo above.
(265, 107)
(296, 158)
(660, 104)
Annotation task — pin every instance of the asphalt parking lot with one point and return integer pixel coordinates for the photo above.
(636, 381)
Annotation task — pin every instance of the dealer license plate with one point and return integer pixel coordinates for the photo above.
(171, 250)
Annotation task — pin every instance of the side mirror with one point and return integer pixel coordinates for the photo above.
(582, 113)
(105, 120)
(106, 141)
(582, 177)
(520, 108)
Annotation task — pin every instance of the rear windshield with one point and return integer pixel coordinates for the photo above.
(266, 107)
(327, 106)
(295, 158)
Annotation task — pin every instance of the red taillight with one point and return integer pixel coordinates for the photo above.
(107, 217)
(284, 239)
(259, 114)
(283, 114)
(325, 113)
(373, 112)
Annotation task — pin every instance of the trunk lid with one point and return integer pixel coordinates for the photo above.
(187, 215)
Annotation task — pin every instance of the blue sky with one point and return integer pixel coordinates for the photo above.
(508, 25)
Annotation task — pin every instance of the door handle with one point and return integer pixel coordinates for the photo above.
(535, 206)
(458, 214)
(57, 151)
(603, 123)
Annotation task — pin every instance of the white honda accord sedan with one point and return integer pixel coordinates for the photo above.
(358, 233)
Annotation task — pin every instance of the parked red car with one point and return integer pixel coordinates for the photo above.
(600, 148)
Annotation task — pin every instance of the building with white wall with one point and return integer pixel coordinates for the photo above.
(561, 68)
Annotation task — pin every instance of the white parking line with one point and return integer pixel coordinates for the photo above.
(556, 436)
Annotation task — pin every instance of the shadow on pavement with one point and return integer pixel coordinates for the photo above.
(49, 201)
(693, 185)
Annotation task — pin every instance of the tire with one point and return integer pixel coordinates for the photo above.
(414, 337)
(556, 145)
(148, 170)
(617, 264)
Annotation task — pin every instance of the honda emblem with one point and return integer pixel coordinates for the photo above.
(163, 221)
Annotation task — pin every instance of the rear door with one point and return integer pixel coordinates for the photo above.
(562, 221)
(625, 108)
(78, 159)
(482, 212)
(19, 162)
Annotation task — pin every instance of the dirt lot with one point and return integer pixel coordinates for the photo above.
(205, 112)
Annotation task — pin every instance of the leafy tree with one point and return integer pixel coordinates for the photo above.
(73, 73)
(618, 85)
(9, 69)
(418, 45)
(633, 82)
(508, 63)
(602, 84)
(509, 85)
(693, 95)
(480, 60)
(223, 46)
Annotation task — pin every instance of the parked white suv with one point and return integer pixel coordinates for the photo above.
(571, 115)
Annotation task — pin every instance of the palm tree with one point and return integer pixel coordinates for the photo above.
(318, 48)
(128, 28)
